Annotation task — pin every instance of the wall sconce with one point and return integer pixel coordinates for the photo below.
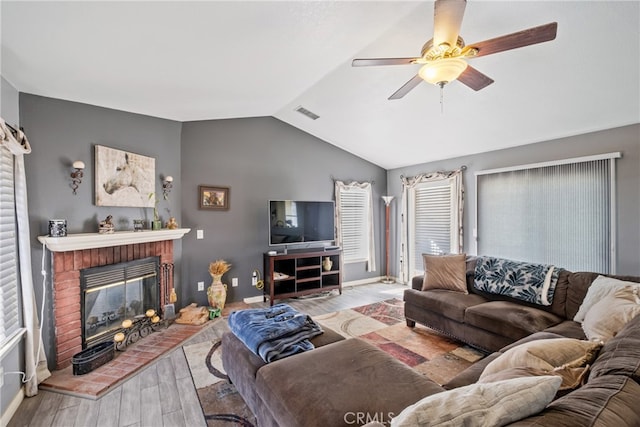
(76, 176)
(167, 185)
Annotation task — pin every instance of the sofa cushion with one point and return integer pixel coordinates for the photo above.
(585, 289)
(545, 354)
(611, 400)
(608, 316)
(446, 303)
(568, 329)
(509, 319)
(621, 354)
(495, 404)
(330, 385)
(446, 272)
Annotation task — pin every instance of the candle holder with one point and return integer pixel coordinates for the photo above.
(133, 330)
(76, 175)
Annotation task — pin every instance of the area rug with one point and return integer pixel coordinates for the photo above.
(382, 324)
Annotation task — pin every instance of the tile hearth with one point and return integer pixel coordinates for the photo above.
(125, 363)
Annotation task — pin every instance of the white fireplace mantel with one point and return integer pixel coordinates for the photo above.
(76, 242)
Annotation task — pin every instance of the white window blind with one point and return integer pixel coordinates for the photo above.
(432, 229)
(560, 213)
(9, 316)
(354, 224)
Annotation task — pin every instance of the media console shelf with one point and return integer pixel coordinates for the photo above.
(301, 273)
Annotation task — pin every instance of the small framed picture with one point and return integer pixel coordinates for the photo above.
(214, 197)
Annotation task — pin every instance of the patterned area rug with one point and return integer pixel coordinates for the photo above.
(382, 324)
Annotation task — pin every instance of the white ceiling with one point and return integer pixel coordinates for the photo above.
(214, 60)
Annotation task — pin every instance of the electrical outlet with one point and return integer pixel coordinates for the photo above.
(199, 234)
(234, 282)
(201, 286)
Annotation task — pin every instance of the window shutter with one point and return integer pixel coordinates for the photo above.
(432, 226)
(9, 317)
(354, 206)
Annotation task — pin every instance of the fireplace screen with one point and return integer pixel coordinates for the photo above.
(113, 293)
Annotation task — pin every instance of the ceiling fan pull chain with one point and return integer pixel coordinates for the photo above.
(441, 97)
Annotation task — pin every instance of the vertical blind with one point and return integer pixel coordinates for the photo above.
(354, 210)
(9, 316)
(560, 214)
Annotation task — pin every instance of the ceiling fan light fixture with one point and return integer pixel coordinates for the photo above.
(443, 70)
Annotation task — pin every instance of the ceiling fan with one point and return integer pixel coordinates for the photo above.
(443, 58)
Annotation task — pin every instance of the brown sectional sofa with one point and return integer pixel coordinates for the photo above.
(350, 382)
(491, 322)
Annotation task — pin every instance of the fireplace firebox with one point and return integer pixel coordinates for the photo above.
(113, 293)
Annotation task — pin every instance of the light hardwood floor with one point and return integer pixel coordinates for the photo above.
(163, 393)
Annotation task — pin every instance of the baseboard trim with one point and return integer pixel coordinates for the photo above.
(252, 300)
(370, 280)
(367, 281)
(12, 408)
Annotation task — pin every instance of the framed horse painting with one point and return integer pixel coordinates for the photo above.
(124, 179)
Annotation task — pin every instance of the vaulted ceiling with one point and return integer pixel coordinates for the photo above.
(202, 60)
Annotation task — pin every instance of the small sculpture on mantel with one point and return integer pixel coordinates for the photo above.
(106, 226)
(172, 224)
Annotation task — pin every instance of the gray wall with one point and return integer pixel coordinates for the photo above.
(624, 139)
(260, 159)
(12, 362)
(61, 132)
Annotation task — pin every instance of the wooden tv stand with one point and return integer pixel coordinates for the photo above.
(301, 273)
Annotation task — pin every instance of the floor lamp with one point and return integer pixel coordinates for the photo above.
(387, 202)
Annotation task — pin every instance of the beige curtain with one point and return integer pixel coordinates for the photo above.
(35, 359)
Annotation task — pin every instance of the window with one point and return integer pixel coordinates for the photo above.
(355, 222)
(9, 315)
(560, 213)
(433, 212)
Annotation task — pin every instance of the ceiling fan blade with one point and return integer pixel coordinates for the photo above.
(407, 87)
(474, 79)
(543, 33)
(447, 19)
(382, 61)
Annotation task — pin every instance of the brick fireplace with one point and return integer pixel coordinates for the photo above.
(69, 257)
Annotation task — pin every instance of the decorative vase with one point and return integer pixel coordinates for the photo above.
(156, 224)
(217, 292)
(327, 263)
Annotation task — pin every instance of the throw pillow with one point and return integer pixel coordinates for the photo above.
(545, 354)
(599, 289)
(495, 404)
(609, 315)
(445, 272)
(572, 378)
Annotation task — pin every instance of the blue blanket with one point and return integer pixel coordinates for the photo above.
(534, 283)
(274, 333)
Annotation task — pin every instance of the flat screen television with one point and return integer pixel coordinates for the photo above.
(297, 222)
